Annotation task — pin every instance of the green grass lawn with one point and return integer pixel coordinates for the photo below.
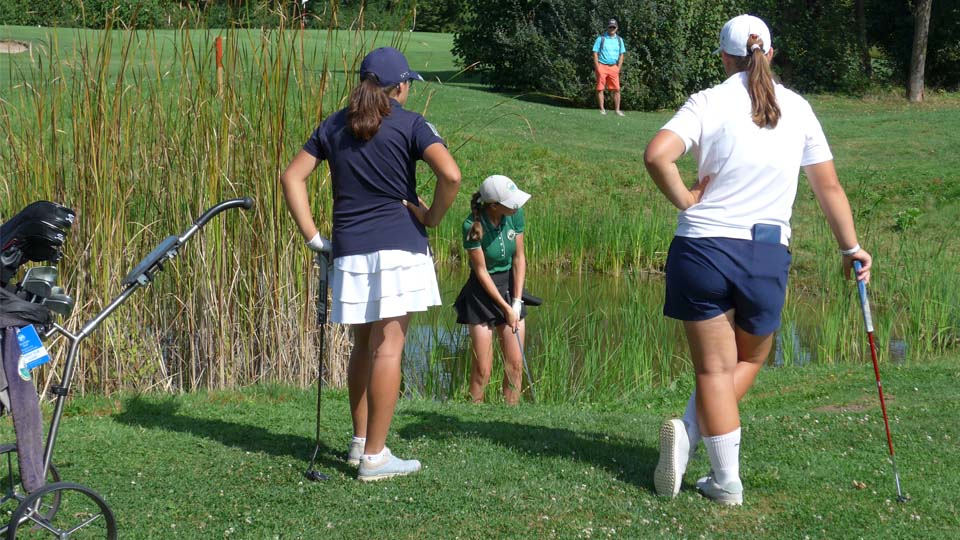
(230, 464)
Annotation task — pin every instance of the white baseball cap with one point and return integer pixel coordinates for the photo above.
(734, 36)
(500, 189)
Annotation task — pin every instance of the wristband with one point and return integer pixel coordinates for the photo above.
(517, 305)
(851, 251)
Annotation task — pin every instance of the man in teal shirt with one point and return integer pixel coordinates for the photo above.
(608, 51)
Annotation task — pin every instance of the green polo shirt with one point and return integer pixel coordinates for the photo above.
(498, 243)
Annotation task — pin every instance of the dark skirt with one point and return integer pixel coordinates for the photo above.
(474, 305)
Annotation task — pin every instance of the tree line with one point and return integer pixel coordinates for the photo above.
(841, 46)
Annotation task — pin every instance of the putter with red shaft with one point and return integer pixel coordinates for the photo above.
(868, 322)
(323, 261)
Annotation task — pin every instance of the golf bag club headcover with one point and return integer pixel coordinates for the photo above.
(36, 233)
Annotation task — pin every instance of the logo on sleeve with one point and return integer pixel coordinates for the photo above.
(511, 235)
(433, 129)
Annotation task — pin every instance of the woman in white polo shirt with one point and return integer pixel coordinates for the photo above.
(728, 263)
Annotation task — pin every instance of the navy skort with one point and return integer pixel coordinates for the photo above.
(707, 277)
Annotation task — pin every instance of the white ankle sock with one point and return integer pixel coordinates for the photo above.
(358, 440)
(376, 458)
(724, 452)
(690, 420)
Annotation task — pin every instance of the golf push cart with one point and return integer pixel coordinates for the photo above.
(47, 507)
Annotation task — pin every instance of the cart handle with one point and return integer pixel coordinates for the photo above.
(245, 202)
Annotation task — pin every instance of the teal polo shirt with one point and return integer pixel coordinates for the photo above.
(499, 243)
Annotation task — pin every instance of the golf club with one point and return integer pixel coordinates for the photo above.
(526, 368)
(59, 303)
(868, 322)
(39, 282)
(323, 261)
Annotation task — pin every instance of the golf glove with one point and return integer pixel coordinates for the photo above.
(320, 244)
(517, 306)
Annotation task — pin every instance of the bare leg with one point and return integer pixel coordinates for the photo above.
(616, 100)
(481, 336)
(512, 362)
(385, 348)
(726, 361)
(600, 99)
(358, 376)
(714, 350)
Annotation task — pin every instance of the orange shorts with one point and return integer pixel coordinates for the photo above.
(608, 77)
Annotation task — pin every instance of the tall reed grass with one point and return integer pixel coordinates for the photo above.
(131, 130)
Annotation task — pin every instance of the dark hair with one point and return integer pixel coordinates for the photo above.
(476, 230)
(369, 104)
(766, 111)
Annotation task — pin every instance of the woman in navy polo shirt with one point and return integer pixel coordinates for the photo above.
(491, 300)
(728, 263)
(383, 269)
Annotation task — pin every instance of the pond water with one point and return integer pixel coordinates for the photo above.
(596, 335)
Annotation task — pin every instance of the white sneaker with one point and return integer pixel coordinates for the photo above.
(354, 453)
(388, 467)
(603, 111)
(674, 453)
(620, 113)
(730, 494)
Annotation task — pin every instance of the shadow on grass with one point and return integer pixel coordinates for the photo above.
(625, 459)
(166, 416)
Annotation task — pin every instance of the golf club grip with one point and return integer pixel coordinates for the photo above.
(246, 203)
(864, 301)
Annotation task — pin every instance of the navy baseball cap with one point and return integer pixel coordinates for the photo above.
(389, 65)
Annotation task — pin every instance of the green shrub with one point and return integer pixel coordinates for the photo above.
(545, 46)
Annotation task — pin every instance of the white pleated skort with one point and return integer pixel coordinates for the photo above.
(382, 284)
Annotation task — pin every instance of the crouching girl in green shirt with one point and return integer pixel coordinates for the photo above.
(490, 302)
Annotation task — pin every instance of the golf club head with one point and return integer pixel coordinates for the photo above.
(43, 273)
(37, 287)
(315, 476)
(903, 498)
(60, 304)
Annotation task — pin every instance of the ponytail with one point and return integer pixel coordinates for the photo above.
(476, 230)
(369, 104)
(765, 110)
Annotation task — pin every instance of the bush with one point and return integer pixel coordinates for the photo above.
(815, 42)
(545, 46)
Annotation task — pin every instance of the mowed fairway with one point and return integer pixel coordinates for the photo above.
(814, 465)
(229, 463)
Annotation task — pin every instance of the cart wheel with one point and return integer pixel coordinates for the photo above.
(49, 505)
(83, 514)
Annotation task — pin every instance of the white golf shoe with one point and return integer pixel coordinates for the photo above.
(674, 454)
(730, 494)
(388, 467)
(354, 453)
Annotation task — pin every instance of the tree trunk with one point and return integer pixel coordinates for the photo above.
(918, 59)
(861, 18)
